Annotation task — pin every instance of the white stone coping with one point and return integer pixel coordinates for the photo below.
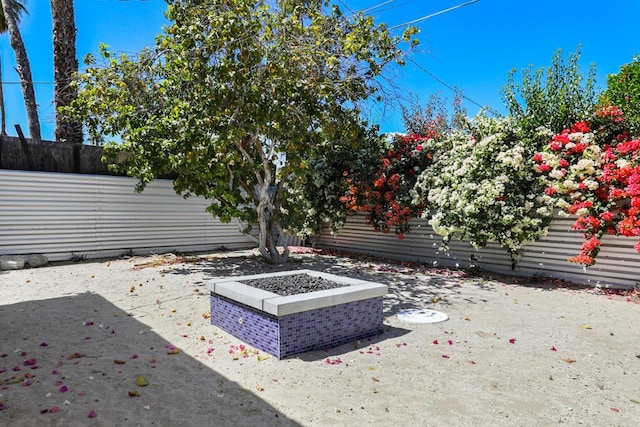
(277, 305)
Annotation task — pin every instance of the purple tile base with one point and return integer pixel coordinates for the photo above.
(282, 336)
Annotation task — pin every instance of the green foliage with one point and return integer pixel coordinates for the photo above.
(554, 98)
(385, 192)
(482, 186)
(330, 177)
(623, 91)
(235, 99)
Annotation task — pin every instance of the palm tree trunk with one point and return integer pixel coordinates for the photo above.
(24, 71)
(3, 115)
(65, 65)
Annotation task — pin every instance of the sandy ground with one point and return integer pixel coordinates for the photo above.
(76, 338)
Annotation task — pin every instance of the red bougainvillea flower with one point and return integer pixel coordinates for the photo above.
(606, 216)
(580, 127)
(512, 341)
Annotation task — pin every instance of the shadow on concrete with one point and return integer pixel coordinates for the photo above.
(81, 353)
(411, 285)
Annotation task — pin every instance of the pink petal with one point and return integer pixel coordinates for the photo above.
(435, 342)
(44, 344)
(445, 356)
(63, 389)
(553, 348)
(29, 362)
(92, 414)
(512, 341)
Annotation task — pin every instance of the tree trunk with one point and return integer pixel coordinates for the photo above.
(24, 71)
(3, 115)
(269, 227)
(65, 65)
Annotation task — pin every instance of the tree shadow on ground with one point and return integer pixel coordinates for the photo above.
(62, 358)
(411, 285)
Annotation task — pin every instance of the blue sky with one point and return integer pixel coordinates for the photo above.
(472, 47)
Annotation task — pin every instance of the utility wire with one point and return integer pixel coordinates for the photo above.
(442, 82)
(377, 6)
(346, 7)
(396, 5)
(434, 14)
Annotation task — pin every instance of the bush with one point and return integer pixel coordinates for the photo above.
(593, 171)
(482, 187)
(623, 91)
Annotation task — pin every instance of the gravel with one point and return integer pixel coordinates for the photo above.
(293, 284)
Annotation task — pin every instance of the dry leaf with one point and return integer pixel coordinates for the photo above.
(568, 360)
(376, 379)
(141, 381)
(119, 362)
(586, 327)
(259, 388)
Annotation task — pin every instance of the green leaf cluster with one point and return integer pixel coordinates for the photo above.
(234, 100)
(623, 91)
(554, 97)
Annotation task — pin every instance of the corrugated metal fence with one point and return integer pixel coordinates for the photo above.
(62, 215)
(618, 263)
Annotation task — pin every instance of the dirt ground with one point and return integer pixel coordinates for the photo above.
(128, 342)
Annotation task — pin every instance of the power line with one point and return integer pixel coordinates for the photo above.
(346, 7)
(33, 83)
(377, 6)
(434, 14)
(396, 5)
(442, 82)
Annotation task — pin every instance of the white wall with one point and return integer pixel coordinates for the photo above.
(60, 215)
(618, 264)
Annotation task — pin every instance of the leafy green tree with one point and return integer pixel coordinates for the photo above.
(554, 98)
(623, 91)
(235, 98)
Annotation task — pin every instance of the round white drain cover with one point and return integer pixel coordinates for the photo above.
(421, 315)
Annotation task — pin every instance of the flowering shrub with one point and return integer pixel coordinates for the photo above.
(482, 187)
(327, 179)
(384, 191)
(593, 172)
(385, 195)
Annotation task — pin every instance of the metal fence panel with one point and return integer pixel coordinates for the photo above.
(618, 264)
(62, 215)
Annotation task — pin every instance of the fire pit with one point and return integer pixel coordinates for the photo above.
(322, 311)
